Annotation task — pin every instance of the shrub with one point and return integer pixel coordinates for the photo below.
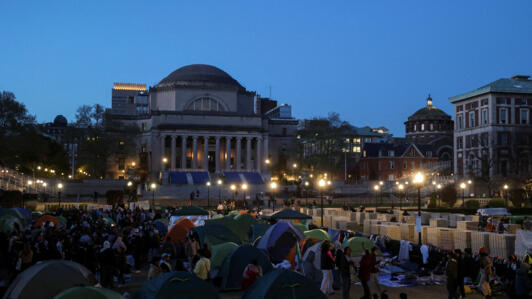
(472, 204)
(448, 195)
(517, 197)
(114, 197)
(496, 203)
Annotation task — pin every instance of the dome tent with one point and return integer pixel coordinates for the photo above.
(49, 278)
(279, 239)
(283, 284)
(88, 293)
(358, 245)
(179, 284)
(234, 264)
(220, 252)
(180, 230)
(318, 234)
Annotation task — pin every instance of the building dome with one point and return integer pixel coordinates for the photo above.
(60, 121)
(198, 74)
(429, 112)
(428, 124)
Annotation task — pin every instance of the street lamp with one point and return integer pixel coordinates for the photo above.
(273, 186)
(219, 183)
(401, 187)
(153, 186)
(233, 188)
(376, 188)
(505, 187)
(321, 185)
(418, 180)
(438, 187)
(463, 186)
(130, 183)
(245, 188)
(306, 191)
(208, 194)
(59, 188)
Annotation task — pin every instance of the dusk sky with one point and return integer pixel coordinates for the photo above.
(374, 62)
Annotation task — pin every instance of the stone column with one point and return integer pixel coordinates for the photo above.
(194, 152)
(258, 159)
(217, 154)
(266, 153)
(172, 162)
(228, 152)
(238, 150)
(248, 153)
(183, 152)
(206, 153)
(163, 139)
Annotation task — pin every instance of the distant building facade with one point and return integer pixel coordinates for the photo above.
(201, 122)
(493, 133)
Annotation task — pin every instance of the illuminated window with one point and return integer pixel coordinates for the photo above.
(356, 149)
(205, 104)
(347, 140)
(356, 140)
(422, 127)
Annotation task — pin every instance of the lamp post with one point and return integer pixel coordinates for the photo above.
(463, 186)
(401, 187)
(438, 187)
(233, 188)
(244, 189)
(505, 187)
(273, 186)
(306, 191)
(418, 180)
(59, 188)
(376, 188)
(152, 187)
(321, 185)
(208, 194)
(219, 183)
(381, 183)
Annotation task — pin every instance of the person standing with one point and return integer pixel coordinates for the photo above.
(327, 265)
(343, 260)
(374, 269)
(452, 276)
(486, 271)
(523, 286)
(461, 272)
(364, 273)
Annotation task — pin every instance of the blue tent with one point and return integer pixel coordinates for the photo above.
(161, 227)
(234, 264)
(279, 239)
(283, 284)
(176, 284)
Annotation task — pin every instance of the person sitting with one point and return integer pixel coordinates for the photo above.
(203, 266)
(252, 272)
(154, 269)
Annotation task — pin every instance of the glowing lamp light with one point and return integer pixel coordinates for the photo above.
(273, 185)
(462, 185)
(321, 183)
(418, 178)
(219, 182)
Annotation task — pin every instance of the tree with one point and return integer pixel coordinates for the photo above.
(83, 116)
(448, 195)
(13, 115)
(97, 115)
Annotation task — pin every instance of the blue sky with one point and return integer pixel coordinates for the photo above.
(374, 62)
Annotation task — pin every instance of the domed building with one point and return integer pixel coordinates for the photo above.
(200, 122)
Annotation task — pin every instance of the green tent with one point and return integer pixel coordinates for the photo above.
(88, 293)
(190, 211)
(14, 213)
(240, 225)
(258, 230)
(220, 252)
(62, 221)
(318, 234)
(235, 263)
(214, 234)
(9, 222)
(300, 226)
(109, 221)
(49, 278)
(289, 214)
(177, 284)
(358, 245)
(283, 284)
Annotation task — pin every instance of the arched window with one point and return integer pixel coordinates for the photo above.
(205, 104)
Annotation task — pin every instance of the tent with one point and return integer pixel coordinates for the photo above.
(176, 284)
(109, 221)
(240, 225)
(46, 218)
(315, 251)
(49, 278)
(220, 252)
(25, 213)
(17, 213)
(279, 239)
(289, 214)
(283, 284)
(62, 221)
(234, 264)
(493, 212)
(303, 246)
(317, 234)
(190, 211)
(214, 234)
(8, 223)
(180, 230)
(161, 226)
(258, 230)
(88, 293)
(358, 245)
(523, 242)
(302, 227)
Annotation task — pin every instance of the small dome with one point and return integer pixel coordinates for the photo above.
(195, 74)
(429, 112)
(60, 121)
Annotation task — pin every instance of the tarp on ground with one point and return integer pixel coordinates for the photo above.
(290, 215)
(179, 231)
(279, 239)
(220, 252)
(46, 218)
(49, 278)
(283, 284)
(523, 242)
(176, 284)
(358, 245)
(234, 264)
(190, 211)
(214, 234)
(317, 234)
(88, 293)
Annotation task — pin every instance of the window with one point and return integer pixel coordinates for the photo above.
(121, 164)
(459, 142)
(347, 140)
(422, 127)
(284, 131)
(485, 116)
(504, 138)
(432, 127)
(405, 165)
(429, 154)
(205, 104)
(356, 149)
(391, 153)
(459, 122)
(144, 127)
(471, 119)
(391, 164)
(356, 140)
(523, 116)
(413, 164)
(503, 115)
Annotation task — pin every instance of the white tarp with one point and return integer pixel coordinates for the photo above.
(493, 212)
(523, 242)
